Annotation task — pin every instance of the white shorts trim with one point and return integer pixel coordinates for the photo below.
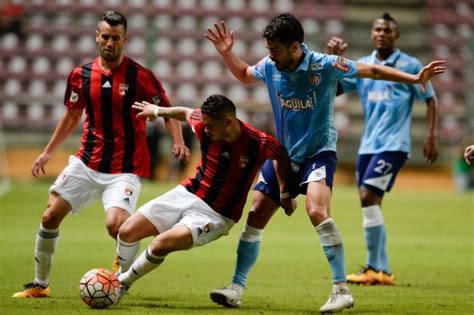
(179, 206)
(80, 186)
(316, 175)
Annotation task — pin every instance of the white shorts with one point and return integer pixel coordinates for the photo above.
(80, 186)
(179, 206)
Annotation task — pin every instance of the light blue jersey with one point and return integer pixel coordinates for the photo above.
(303, 101)
(388, 105)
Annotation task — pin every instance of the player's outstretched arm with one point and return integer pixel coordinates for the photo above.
(379, 72)
(64, 128)
(152, 111)
(223, 41)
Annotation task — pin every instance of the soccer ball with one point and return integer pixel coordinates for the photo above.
(99, 288)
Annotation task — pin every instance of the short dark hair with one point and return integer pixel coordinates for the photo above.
(285, 28)
(217, 106)
(113, 18)
(387, 17)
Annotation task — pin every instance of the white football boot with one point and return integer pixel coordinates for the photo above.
(340, 299)
(228, 297)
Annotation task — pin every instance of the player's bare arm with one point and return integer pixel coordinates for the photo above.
(64, 128)
(223, 41)
(379, 72)
(152, 111)
(430, 146)
(282, 166)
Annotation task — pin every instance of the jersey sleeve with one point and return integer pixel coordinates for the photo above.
(195, 122)
(152, 89)
(258, 70)
(422, 91)
(340, 67)
(73, 97)
(348, 84)
(272, 147)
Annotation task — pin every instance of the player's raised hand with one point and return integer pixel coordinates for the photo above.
(39, 163)
(145, 110)
(432, 69)
(469, 154)
(222, 39)
(336, 46)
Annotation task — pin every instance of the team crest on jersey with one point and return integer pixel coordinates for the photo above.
(341, 64)
(123, 88)
(243, 161)
(314, 78)
(74, 97)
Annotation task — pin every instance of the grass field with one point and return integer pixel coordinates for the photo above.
(430, 237)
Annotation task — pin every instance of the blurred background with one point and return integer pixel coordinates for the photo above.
(42, 40)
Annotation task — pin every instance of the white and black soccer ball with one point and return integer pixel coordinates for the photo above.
(99, 288)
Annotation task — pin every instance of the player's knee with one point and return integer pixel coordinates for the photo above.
(160, 247)
(368, 197)
(126, 233)
(317, 212)
(113, 229)
(51, 219)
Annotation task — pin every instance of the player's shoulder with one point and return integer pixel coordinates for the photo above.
(138, 66)
(256, 134)
(408, 62)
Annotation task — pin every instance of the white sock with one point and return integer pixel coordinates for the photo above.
(126, 253)
(46, 243)
(145, 263)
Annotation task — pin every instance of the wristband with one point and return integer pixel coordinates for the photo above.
(156, 111)
(284, 195)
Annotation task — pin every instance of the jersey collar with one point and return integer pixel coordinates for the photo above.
(303, 66)
(389, 61)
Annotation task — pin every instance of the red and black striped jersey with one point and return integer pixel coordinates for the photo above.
(113, 138)
(226, 170)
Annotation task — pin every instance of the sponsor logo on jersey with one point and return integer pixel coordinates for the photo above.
(314, 78)
(380, 96)
(341, 64)
(107, 85)
(74, 97)
(315, 66)
(297, 103)
(123, 88)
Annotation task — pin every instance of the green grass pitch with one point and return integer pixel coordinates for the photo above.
(430, 237)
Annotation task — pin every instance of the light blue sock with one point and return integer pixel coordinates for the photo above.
(374, 230)
(335, 256)
(331, 240)
(384, 265)
(373, 241)
(247, 254)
